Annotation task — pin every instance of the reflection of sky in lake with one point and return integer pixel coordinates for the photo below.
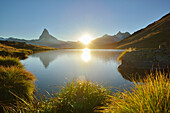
(56, 67)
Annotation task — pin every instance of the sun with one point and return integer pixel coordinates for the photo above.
(86, 39)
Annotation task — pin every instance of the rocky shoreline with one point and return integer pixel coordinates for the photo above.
(147, 59)
(140, 62)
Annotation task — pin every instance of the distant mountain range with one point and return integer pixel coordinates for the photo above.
(46, 39)
(105, 40)
(152, 36)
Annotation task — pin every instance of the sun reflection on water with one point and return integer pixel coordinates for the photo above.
(86, 56)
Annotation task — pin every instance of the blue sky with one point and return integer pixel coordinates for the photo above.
(70, 19)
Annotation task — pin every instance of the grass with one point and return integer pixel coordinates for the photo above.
(152, 96)
(20, 50)
(80, 97)
(25, 46)
(16, 80)
(75, 97)
(6, 51)
(10, 61)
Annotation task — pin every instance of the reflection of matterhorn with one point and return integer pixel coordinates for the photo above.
(86, 55)
(46, 57)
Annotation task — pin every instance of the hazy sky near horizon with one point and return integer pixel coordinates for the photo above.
(70, 19)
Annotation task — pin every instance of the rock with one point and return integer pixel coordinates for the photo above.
(147, 59)
(163, 45)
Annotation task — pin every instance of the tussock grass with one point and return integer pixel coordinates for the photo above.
(25, 46)
(20, 50)
(17, 53)
(81, 97)
(152, 96)
(16, 80)
(9, 61)
(75, 97)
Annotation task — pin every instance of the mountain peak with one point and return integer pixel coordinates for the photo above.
(45, 31)
(106, 35)
(46, 36)
(119, 33)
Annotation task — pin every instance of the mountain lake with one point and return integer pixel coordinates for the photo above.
(55, 68)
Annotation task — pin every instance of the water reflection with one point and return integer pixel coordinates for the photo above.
(62, 65)
(86, 56)
(46, 57)
(135, 74)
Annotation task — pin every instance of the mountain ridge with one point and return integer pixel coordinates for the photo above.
(46, 39)
(106, 39)
(151, 36)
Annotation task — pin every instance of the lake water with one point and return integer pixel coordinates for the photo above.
(54, 68)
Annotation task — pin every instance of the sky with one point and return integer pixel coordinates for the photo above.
(70, 19)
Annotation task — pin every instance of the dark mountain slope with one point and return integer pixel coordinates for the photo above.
(152, 36)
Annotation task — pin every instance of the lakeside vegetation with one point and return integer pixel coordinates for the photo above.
(18, 81)
(14, 79)
(6, 51)
(148, 95)
(23, 45)
(10, 61)
(20, 50)
(18, 93)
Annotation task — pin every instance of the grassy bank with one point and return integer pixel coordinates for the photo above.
(6, 51)
(18, 81)
(85, 96)
(14, 80)
(19, 49)
(23, 45)
(10, 61)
